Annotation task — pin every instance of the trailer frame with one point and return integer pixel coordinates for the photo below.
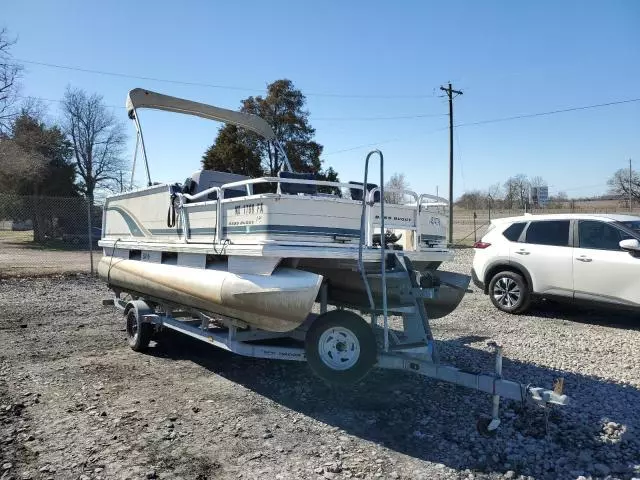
(229, 334)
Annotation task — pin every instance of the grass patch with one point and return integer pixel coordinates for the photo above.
(24, 239)
(18, 237)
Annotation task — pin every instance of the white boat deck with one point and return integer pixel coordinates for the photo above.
(274, 250)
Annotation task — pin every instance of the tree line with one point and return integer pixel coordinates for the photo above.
(514, 193)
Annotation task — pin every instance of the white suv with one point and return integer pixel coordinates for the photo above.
(591, 259)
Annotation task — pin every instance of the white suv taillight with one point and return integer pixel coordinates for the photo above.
(481, 245)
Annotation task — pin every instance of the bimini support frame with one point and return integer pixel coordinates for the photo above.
(139, 141)
(141, 98)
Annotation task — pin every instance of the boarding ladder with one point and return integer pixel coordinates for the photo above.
(395, 275)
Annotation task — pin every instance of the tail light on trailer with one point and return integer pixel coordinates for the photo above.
(481, 245)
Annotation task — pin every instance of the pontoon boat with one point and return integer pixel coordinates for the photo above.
(213, 258)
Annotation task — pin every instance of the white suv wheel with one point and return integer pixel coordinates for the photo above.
(509, 292)
(506, 292)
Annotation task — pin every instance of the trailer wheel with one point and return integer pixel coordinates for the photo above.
(483, 427)
(340, 347)
(138, 332)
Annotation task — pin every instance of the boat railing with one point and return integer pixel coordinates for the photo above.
(370, 216)
(248, 184)
(435, 200)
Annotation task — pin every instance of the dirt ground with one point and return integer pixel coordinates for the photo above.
(77, 403)
(19, 257)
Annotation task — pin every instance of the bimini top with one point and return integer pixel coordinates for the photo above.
(140, 98)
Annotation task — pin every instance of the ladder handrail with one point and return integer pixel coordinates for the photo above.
(366, 207)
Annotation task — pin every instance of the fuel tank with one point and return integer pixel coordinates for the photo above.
(279, 302)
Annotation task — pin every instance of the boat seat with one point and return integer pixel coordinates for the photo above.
(356, 193)
(205, 179)
(296, 188)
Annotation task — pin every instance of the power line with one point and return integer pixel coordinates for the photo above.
(350, 149)
(357, 147)
(551, 112)
(504, 119)
(60, 101)
(137, 77)
(481, 122)
(399, 117)
(426, 115)
(206, 85)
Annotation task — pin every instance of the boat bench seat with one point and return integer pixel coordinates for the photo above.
(205, 179)
(356, 193)
(295, 188)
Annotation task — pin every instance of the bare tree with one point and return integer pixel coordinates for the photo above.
(495, 191)
(34, 108)
(98, 140)
(397, 182)
(516, 191)
(620, 184)
(9, 75)
(537, 182)
(472, 200)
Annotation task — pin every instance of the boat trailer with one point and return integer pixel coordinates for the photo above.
(145, 317)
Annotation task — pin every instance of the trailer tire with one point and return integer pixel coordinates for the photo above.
(340, 347)
(138, 332)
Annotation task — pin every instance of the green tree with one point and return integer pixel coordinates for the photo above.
(231, 153)
(52, 173)
(283, 107)
(57, 178)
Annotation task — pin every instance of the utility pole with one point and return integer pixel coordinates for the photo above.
(630, 174)
(450, 93)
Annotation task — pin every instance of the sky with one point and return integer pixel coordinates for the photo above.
(359, 61)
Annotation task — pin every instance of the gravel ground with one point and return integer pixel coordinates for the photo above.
(77, 403)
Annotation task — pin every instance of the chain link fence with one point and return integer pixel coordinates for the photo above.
(43, 235)
(469, 225)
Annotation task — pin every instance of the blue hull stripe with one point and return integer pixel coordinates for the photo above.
(135, 230)
(174, 231)
(297, 229)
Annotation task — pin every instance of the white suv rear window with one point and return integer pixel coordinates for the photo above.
(549, 232)
(513, 231)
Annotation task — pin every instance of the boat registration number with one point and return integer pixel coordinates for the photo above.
(249, 209)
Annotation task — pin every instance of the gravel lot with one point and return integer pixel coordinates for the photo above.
(77, 403)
